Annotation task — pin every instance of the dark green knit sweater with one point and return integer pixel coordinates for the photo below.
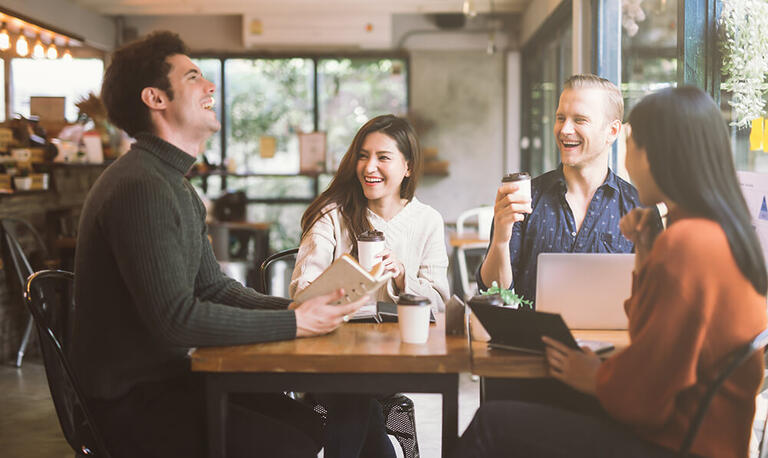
(147, 286)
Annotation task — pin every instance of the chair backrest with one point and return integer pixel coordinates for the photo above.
(49, 297)
(19, 259)
(484, 219)
(280, 255)
(735, 359)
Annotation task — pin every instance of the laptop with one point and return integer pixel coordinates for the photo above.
(587, 289)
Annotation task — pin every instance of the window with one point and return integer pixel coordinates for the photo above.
(211, 69)
(749, 144)
(267, 98)
(71, 79)
(649, 52)
(352, 91)
(263, 101)
(547, 63)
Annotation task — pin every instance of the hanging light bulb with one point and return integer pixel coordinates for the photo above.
(5, 39)
(52, 52)
(38, 51)
(22, 45)
(67, 54)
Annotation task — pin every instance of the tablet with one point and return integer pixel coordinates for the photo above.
(522, 329)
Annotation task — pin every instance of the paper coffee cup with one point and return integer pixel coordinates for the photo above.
(369, 245)
(523, 179)
(413, 318)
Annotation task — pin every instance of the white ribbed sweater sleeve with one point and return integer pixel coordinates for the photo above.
(416, 236)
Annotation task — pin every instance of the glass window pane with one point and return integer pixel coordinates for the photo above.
(749, 144)
(211, 69)
(267, 97)
(285, 231)
(649, 51)
(73, 80)
(352, 91)
(274, 187)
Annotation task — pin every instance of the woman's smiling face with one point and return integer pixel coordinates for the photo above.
(381, 167)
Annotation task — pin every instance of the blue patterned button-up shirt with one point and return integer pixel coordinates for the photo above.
(551, 228)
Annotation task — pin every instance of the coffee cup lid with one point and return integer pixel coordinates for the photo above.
(487, 299)
(371, 236)
(412, 299)
(518, 176)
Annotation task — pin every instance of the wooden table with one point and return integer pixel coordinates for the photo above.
(494, 366)
(466, 239)
(357, 358)
(488, 362)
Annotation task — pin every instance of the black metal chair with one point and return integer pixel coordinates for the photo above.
(730, 364)
(21, 265)
(49, 297)
(399, 413)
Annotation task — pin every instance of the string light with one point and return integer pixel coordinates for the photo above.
(5, 39)
(52, 52)
(39, 42)
(38, 51)
(22, 46)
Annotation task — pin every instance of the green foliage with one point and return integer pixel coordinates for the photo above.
(744, 40)
(508, 296)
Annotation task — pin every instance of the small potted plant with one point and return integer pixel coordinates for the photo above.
(509, 297)
(22, 181)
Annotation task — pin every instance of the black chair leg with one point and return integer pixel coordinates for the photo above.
(24, 342)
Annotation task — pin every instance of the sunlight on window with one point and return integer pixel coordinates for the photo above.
(72, 79)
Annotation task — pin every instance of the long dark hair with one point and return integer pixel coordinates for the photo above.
(689, 152)
(345, 190)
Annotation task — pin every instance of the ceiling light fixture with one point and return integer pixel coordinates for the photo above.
(67, 54)
(5, 39)
(52, 52)
(22, 45)
(38, 51)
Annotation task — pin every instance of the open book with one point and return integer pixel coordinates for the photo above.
(345, 272)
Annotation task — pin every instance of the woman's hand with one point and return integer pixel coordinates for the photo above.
(391, 264)
(573, 367)
(639, 227)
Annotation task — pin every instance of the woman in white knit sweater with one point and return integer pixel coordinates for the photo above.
(373, 189)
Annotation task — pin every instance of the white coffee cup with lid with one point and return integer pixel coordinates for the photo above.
(413, 318)
(522, 179)
(370, 244)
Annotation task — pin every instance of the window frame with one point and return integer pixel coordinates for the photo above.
(315, 58)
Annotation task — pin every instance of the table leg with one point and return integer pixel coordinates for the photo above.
(450, 415)
(217, 401)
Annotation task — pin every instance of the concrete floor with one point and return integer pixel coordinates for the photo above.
(29, 427)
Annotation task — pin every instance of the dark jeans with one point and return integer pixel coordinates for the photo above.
(548, 391)
(517, 429)
(355, 426)
(167, 419)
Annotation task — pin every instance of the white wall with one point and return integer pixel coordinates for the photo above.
(200, 33)
(98, 31)
(461, 92)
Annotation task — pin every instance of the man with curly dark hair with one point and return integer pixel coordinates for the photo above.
(148, 287)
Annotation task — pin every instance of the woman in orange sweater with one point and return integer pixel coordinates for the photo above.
(699, 292)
